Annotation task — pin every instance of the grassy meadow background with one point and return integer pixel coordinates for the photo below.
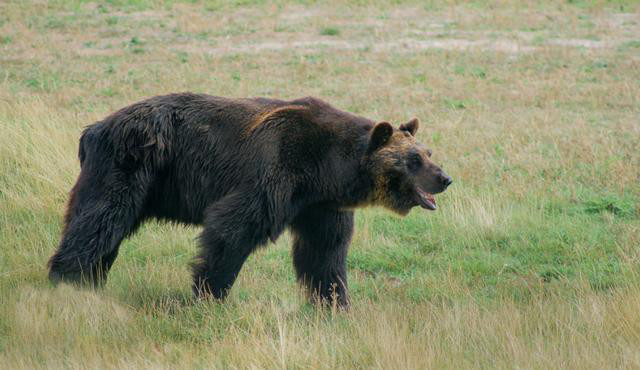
(531, 261)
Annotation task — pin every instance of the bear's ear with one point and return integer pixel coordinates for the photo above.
(411, 126)
(380, 135)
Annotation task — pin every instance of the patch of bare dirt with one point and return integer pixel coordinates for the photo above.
(402, 45)
(589, 44)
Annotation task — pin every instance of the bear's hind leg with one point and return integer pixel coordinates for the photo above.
(102, 212)
(321, 241)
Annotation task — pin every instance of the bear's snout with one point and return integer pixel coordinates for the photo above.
(445, 180)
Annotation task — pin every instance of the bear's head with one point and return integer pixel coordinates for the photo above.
(404, 176)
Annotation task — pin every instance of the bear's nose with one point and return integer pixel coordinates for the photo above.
(446, 180)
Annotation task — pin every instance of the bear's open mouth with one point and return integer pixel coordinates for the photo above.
(425, 200)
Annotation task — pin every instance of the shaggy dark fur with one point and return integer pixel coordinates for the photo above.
(245, 169)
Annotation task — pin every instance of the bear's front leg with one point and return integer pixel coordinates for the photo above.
(321, 241)
(233, 228)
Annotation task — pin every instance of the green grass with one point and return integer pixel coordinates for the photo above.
(330, 31)
(530, 261)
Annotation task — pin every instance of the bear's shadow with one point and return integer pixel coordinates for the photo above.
(166, 299)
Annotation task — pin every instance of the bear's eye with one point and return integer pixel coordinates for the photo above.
(414, 162)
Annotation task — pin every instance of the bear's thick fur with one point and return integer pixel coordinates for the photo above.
(245, 169)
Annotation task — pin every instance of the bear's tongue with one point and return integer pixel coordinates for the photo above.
(426, 200)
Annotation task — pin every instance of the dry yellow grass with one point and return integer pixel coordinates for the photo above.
(530, 262)
(66, 328)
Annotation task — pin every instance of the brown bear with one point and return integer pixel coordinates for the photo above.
(244, 169)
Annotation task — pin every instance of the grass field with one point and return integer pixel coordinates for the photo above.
(531, 261)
